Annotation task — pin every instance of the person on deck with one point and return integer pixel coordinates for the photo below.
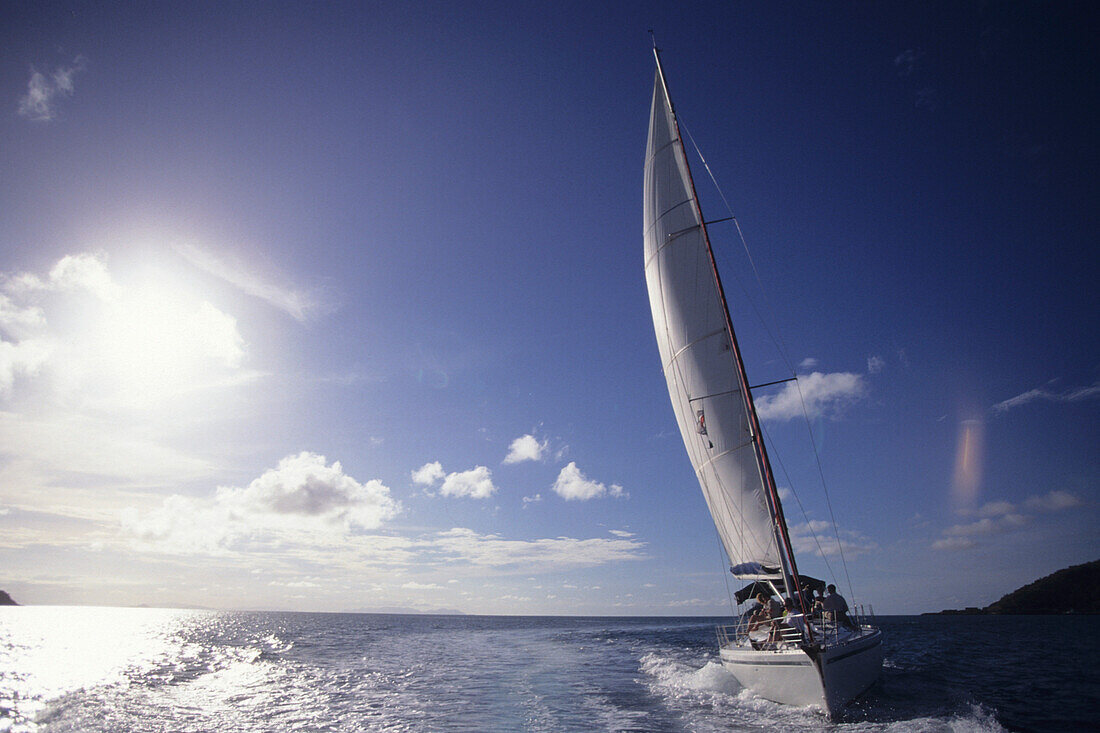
(792, 619)
(769, 609)
(817, 603)
(836, 607)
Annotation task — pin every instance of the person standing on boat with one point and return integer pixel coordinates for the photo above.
(836, 607)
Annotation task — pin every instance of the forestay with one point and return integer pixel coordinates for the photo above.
(690, 320)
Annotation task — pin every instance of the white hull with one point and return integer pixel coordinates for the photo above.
(791, 677)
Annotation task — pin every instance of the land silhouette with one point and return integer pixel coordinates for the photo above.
(1075, 589)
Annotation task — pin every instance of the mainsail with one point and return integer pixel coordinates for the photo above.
(705, 381)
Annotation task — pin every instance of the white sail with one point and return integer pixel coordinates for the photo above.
(689, 317)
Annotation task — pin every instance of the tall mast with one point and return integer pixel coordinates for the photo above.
(783, 540)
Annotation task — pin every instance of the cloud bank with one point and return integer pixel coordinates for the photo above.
(1000, 517)
(538, 555)
(303, 495)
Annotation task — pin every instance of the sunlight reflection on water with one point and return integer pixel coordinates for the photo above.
(46, 652)
(114, 669)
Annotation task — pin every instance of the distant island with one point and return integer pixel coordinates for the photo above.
(1075, 589)
(405, 611)
(6, 600)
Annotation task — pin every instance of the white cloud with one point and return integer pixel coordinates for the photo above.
(822, 394)
(531, 499)
(92, 445)
(97, 343)
(1077, 394)
(1000, 517)
(525, 448)
(477, 483)
(293, 301)
(997, 509)
(875, 364)
(1052, 502)
(295, 584)
(621, 533)
(571, 484)
(807, 537)
(413, 585)
(538, 555)
(85, 271)
(428, 474)
(302, 495)
(103, 379)
(987, 525)
(306, 486)
(808, 363)
(953, 543)
(23, 358)
(44, 90)
(20, 321)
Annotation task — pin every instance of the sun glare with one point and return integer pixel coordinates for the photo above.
(154, 340)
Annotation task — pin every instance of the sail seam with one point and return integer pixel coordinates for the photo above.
(714, 458)
(715, 394)
(666, 212)
(688, 345)
(661, 149)
(670, 239)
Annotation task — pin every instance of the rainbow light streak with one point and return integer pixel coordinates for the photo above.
(967, 479)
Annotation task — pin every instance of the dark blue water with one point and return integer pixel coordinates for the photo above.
(106, 669)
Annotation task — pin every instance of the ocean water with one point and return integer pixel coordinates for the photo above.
(114, 669)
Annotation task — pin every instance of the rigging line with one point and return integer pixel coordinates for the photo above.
(756, 274)
(783, 468)
(825, 488)
(764, 294)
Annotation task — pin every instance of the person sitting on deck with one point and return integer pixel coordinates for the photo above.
(791, 627)
(836, 608)
(769, 609)
(816, 605)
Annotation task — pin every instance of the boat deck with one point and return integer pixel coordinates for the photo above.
(783, 634)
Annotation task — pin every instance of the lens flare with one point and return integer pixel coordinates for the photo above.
(967, 480)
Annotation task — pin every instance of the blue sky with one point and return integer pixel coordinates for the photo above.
(339, 307)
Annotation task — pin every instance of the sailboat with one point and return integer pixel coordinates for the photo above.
(804, 658)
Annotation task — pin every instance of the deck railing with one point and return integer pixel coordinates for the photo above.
(824, 629)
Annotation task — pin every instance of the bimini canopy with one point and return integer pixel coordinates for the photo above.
(749, 591)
